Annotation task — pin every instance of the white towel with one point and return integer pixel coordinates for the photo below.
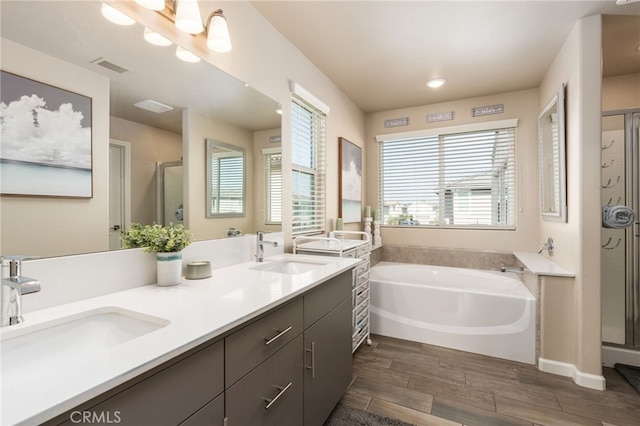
(617, 217)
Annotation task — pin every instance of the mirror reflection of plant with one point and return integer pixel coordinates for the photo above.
(157, 238)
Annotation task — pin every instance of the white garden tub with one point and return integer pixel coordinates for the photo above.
(484, 312)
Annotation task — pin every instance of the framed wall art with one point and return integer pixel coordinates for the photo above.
(350, 157)
(46, 140)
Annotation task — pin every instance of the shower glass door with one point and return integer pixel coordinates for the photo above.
(620, 248)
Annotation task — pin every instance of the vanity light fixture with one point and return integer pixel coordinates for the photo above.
(188, 18)
(218, 38)
(186, 55)
(115, 16)
(155, 38)
(151, 4)
(436, 82)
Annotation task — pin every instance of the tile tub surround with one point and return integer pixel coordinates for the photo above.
(459, 258)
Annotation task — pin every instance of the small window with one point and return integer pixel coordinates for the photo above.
(464, 179)
(273, 186)
(308, 168)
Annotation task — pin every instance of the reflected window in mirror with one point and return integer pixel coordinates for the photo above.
(273, 185)
(553, 197)
(225, 179)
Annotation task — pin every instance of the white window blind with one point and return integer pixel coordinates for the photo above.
(227, 184)
(308, 167)
(464, 179)
(273, 186)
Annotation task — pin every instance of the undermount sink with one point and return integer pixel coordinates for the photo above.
(34, 350)
(289, 266)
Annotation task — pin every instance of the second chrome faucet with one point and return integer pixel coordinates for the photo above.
(260, 242)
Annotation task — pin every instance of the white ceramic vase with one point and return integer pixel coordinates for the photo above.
(169, 268)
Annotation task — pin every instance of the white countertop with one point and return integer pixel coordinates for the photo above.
(197, 311)
(541, 265)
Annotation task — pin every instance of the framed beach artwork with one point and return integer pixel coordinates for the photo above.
(350, 157)
(46, 140)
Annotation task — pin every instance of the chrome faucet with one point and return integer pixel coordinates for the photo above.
(260, 242)
(13, 288)
(548, 246)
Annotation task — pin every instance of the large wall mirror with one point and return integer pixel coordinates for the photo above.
(71, 46)
(551, 133)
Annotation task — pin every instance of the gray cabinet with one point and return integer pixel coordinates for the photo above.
(289, 367)
(328, 361)
(168, 397)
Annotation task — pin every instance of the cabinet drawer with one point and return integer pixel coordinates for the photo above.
(210, 414)
(171, 395)
(326, 296)
(277, 381)
(248, 347)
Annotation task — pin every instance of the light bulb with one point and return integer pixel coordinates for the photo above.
(218, 38)
(115, 16)
(186, 55)
(155, 38)
(188, 17)
(151, 4)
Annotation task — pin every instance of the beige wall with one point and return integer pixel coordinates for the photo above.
(61, 226)
(578, 240)
(621, 92)
(148, 146)
(522, 105)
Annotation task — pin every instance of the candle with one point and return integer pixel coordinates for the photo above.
(367, 211)
(376, 215)
(339, 224)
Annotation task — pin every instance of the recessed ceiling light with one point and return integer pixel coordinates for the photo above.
(436, 82)
(153, 106)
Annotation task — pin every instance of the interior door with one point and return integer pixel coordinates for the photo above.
(119, 190)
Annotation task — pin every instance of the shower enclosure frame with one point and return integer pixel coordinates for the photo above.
(632, 234)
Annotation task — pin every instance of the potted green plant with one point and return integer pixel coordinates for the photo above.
(166, 241)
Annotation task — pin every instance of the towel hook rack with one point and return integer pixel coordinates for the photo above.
(611, 199)
(604, 166)
(611, 185)
(607, 247)
(608, 146)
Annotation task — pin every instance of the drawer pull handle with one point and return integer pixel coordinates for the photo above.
(267, 342)
(312, 367)
(270, 402)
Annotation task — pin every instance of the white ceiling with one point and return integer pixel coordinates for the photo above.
(380, 53)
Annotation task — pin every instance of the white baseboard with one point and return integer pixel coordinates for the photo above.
(591, 381)
(612, 355)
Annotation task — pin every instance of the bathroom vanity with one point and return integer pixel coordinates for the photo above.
(254, 344)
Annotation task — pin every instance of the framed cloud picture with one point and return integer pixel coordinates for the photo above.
(350, 157)
(46, 140)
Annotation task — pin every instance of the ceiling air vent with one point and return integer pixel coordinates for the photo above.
(109, 65)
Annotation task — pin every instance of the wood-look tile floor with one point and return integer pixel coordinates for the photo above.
(430, 385)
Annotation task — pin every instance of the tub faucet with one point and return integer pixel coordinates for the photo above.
(13, 288)
(548, 246)
(260, 242)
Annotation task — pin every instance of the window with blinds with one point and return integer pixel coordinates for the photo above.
(273, 186)
(307, 158)
(449, 180)
(227, 184)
